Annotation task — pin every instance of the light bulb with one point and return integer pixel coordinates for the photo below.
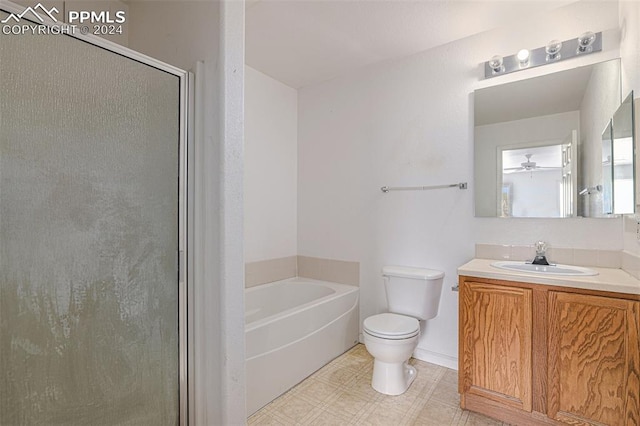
(585, 41)
(523, 57)
(496, 64)
(553, 50)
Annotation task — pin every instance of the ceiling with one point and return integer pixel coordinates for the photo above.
(302, 42)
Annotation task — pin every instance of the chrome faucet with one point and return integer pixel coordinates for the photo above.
(541, 254)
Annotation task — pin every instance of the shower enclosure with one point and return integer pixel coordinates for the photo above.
(92, 299)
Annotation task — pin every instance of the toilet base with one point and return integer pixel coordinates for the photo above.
(392, 378)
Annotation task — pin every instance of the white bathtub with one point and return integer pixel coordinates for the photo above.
(294, 327)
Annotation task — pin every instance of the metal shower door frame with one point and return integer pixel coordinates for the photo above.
(186, 84)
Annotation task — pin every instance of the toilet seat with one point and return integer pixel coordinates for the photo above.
(391, 326)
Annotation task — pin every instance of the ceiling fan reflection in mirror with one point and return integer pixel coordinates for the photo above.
(528, 166)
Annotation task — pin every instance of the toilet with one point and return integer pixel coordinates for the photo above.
(413, 295)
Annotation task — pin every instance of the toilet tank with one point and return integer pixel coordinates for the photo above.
(413, 291)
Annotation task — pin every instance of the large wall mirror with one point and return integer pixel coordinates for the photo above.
(540, 145)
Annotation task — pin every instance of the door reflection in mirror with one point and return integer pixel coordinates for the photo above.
(532, 181)
(607, 170)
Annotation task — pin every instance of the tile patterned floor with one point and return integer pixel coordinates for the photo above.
(340, 393)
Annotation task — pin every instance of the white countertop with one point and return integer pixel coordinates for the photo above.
(608, 279)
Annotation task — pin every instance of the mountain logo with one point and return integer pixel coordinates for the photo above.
(38, 11)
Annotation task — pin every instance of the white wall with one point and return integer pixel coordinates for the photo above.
(177, 32)
(630, 54)
(630, 39)
(410, 122)
(535, 193)
(182, 33)
(271, 168)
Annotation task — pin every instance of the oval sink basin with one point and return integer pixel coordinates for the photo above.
(543, 269)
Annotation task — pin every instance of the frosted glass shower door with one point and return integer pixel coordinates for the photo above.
(89, 236)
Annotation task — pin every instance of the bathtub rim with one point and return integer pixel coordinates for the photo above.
(339, 291)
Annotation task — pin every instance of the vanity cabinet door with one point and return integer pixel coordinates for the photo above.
(594, 363)
(496, 334)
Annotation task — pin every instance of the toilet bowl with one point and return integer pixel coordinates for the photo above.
(391, 340)
(413, 295)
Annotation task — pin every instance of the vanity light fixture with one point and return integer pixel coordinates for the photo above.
(554, 51)
(585, 42)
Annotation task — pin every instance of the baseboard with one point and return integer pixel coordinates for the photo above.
(436, 358)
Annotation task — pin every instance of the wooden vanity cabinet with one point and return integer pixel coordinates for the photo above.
(538, 354)
(593, 359)
(497, 358)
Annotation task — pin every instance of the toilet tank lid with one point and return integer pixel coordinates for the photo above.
(411, 272)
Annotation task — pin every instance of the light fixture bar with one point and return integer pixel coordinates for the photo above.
(570, 49)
